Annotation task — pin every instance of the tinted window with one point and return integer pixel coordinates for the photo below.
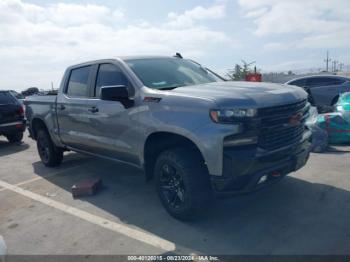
(109, 75)
(324, 81)
(299, 82)
(78, 82)
(334, 81)
(17, 95)
(6, 98)
(168, 73)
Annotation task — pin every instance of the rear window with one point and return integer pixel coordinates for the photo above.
(6, 98)
(78, 82)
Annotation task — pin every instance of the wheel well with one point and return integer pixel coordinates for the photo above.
(37, 124)
(158, 142)
(335, 100)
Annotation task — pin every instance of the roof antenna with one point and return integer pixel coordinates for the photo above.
(178, 55)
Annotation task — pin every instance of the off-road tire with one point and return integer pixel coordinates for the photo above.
(197, 193)
(50, 155)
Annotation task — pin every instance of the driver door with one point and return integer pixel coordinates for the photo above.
(113, 127)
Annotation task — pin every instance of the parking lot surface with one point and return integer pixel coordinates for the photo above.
(308, 212)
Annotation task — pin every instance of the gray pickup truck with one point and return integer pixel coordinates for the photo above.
(194, 133)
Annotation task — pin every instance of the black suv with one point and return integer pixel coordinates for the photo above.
(323, 90)
(12, 122)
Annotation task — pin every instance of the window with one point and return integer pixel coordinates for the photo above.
(314, 82)
(78, 82)
(299, 82)
(16, 94)
(6, 98)
(333, 81)
(324, 81)
(109, 75)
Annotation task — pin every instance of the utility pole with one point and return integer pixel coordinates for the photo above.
(335, 65)
(327, 60)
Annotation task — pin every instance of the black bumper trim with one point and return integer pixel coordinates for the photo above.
(244, 167)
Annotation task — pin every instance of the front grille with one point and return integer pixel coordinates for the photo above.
(275, 130)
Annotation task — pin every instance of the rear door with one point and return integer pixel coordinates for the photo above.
(74, 109)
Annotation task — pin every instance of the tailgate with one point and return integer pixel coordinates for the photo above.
(9, 113)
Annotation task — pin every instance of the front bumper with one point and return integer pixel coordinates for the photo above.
(12, 127)
(249, 168)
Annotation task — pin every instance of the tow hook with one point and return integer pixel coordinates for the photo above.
(275, 174)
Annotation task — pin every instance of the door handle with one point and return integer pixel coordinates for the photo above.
(93, 109)
(62, 107)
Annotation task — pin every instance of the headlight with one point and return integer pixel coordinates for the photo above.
(231, 115)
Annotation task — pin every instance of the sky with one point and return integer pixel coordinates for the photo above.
(40, 38)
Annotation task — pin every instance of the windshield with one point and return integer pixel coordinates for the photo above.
(169, 73)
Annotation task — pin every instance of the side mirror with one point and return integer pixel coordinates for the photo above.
(117, 93)
(114, 93)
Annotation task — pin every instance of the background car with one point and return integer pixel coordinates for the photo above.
(323, 90)
(12, 122)
(30, 91)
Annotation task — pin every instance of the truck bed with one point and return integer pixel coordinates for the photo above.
(43, 107)
(41, 99)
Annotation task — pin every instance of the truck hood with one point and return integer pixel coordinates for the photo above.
(244, 94)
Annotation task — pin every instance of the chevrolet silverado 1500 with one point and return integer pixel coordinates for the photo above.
(194, 133)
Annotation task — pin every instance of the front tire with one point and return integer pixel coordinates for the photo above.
(15, 138)
(50, 155)
(182, 183)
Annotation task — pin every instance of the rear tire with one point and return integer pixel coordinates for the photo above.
(50, 154)
(182, 183)
(15, 137)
